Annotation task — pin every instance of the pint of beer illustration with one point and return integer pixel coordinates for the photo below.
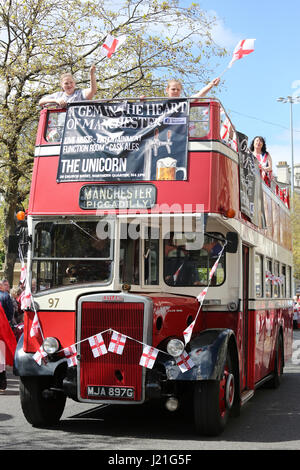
(166, 169)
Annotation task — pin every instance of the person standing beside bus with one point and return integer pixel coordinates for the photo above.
(259, 149)
(69, 91)
(5, 300)
(7, 338)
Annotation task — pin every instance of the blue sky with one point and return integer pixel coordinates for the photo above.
(253, 84)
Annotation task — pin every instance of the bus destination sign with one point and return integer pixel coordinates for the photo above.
(117, 196)
(125, 141)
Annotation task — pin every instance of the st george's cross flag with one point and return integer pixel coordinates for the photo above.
(97, 345)
(25, 298)
(111, 44)
(36, 329)
(148, 357)
(117, 343)
(39, 355)
(188, 332)
(244, 47)
(184, 362)
(23, 272)
(71, 354)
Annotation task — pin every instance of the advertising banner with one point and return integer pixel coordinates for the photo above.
(251, 193)
(125, 141)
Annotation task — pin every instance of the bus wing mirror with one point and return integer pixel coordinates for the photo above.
(232, 242)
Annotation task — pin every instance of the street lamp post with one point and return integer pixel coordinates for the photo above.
(291, 100)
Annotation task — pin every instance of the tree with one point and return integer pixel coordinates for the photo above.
(39, 39)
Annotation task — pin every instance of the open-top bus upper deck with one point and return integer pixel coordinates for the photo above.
(210, 177)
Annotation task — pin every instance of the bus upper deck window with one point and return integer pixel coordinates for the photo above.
(55, 126)
(199, 121)
(227, 131)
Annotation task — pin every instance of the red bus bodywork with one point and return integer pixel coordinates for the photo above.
(256, 331)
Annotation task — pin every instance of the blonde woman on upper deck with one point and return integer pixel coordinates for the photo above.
(174, 88)
(69, 91)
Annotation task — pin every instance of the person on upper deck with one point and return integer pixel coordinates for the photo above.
(69, 91)
(174, 89)
(259, 149)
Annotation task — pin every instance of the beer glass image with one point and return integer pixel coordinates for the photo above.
(166, 169)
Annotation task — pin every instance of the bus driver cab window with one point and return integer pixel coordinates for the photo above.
(180, 263)
(188, 263)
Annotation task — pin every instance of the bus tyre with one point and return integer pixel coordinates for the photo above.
(278, 364)
(40, 410)
(213, 401)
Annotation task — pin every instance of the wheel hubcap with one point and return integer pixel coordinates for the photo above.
(226, 392)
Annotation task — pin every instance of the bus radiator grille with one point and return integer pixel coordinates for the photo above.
(111, 370)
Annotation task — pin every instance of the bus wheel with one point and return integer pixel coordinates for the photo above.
(39, 409)
(213, 401)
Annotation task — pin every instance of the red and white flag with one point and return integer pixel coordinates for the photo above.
(72, 360)
(70, 350)
(71, 353)
(117, 343)
(25, 298)
(111, 44)
(184, 362)
(225, 128)
(244, 47)
(97, 345)
(36, 329)
(202, 295)
(213, 269)
(176, 274)
(188, 332)
(23, 272)
(39, 355)
(148, 357)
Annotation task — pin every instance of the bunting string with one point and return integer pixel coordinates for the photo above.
(118, 340)
(189, 330)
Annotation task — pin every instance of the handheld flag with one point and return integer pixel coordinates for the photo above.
(244, 47)
(111, 44)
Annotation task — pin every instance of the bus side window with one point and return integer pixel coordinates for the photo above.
(151, 256)
(283, 281)
(276, 288)
(227, 131)
(268, 274)
(199, 121)
(129, 271)
(289, 281)
(259, 284)
(55, 126)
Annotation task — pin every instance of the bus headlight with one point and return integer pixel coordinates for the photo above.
(51, 345)
(175, 347)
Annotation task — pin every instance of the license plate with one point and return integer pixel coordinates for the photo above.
(110, 392)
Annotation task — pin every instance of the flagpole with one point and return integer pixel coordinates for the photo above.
(224, 71)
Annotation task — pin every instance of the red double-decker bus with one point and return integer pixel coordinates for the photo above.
(159, 257)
